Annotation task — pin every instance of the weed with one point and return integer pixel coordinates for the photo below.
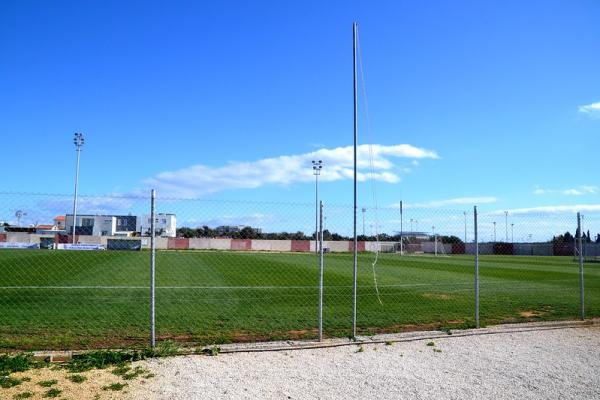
(137, 371)
(77, 378)
(148, 376)
(48, 383)
(164, 349)
(388, 343)
(360, 349)
(104, 358)
(212, 351)
(18, 363)
(121, 370)
(437, 350)
(8, 382)
(53, 393)
(24, 395)
(114, 386)
(430, 344)
(26, 379)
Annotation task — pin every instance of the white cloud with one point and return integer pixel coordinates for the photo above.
(557, 209)
(593, 110)
(581, 190)
(199, 180)
(538, 190)
(578, 191)
(459, 201)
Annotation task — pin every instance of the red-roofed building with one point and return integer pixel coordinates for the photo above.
(59, 222)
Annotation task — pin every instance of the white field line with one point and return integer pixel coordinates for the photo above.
(407, 285)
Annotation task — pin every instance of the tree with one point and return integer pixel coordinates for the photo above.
(450, 239)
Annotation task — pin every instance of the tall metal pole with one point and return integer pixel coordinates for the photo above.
(581, 286)
(355, 259)
(506, 226)
(78, 141)
(321, 274)
(152, 271)
(476, 267)
(465, 213)
(512, 232)
(494, 231)
(401, 229)
(316, 213)
(317, 166)
(364, 210)
(434, 239)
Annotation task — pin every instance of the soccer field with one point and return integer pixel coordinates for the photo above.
(85, 299)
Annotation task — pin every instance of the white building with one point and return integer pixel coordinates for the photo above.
(102, 225)
(164, 225)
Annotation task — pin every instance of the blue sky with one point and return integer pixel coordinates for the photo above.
(470, 102)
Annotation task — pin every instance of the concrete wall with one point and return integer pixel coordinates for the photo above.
(429, 247)
(163, 243)
(272, 245)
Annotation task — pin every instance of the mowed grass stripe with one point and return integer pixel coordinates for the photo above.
(89, 299)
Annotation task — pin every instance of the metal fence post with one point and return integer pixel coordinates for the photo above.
(476, 267)
(580, 246)
(152, 272)
(321, 271)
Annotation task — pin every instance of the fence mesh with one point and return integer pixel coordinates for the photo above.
(246, 271)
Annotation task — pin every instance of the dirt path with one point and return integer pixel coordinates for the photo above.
(540, 364)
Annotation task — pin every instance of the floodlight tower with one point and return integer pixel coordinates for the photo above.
(506, 226)
(317, 166)
(465, 214)
(19, 214)
(78, 142)
(364, 210)
(494, 231)
(512, 232)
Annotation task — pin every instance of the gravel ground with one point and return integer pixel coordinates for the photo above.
(539, 364)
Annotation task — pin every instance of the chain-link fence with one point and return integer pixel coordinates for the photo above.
(202, 271)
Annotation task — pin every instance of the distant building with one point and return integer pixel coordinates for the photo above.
(59, 221)
(226, 229)
(45, 228)
(164, 225)
(103, 225)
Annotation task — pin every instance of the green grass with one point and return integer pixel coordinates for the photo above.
(68, 299)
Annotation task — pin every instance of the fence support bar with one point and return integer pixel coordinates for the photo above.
(321, 271)
(152, 272)
(476, 267)
(581, 286)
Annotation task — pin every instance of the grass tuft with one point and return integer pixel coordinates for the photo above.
(77, 378)
(23, 395)
(8, 382)
(52, 393)
(48, 383)
(115, 387)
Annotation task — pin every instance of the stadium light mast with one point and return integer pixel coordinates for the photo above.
(434, 239)
(317, 166)
(494, 231)
(512, 232)
(506, 226)
(364, 210)
(465, 214)
(78, 141)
